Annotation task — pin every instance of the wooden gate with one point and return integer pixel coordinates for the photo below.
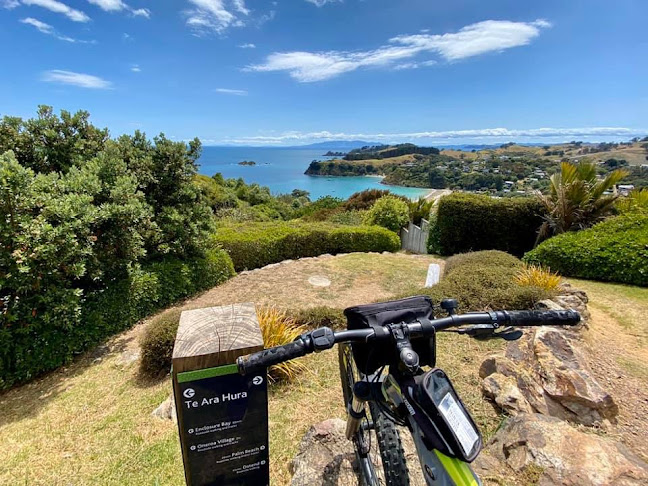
(414, 238)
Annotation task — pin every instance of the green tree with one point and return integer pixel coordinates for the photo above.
(577, 198)
(165, 172)
(48, 143)
(389, 212)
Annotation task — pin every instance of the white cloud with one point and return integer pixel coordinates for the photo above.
(119, 5)
(76, 79)
(58, 7)
(486, 135)
(109, 5)
(135, 68)
(239, 6)
(321, 3)
(41, 26)
(142, 12)
(247, 46)
(209, 16)
(49, 30)
(414, 65)
(472, 40)
(9, 4)
(236, 92)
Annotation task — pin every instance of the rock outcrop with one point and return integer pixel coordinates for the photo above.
(545, 372)
(569, 297)
(325, 457)
(561, 454)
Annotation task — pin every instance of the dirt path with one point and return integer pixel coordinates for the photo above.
(617, 345)
(303, 283)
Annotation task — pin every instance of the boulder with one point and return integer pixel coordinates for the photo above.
(544, 372)
(325, 457)
(568, 298)
(166, 410)
(561, 454)
(504, 391)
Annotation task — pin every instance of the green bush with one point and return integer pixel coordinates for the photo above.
(363, 200)
(42, 342)
(492, 258)
(320, 316)
(471, 222)
(483, 280)
(255, 245)
(615, 250)
(348, 218)
(156, 345)
(389, 212)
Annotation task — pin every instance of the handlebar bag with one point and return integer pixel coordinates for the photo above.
(371, 356)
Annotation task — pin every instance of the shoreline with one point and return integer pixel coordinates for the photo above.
(428, 195)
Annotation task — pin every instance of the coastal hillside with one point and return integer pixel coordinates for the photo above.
(509, 168)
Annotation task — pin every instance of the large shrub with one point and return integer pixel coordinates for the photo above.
(470, 222)
(95, 234)
(484, 280)
(34, 342)
(389, 212)
(362, 200)
(615, 250)
(255, 245)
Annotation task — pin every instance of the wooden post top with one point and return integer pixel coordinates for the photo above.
(216, 336)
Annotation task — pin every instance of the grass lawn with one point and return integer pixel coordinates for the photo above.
(91, 423)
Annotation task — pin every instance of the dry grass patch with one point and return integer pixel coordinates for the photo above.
(617, 341)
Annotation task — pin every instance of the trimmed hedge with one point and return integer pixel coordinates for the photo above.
(483, 280)
(472, 222)
(47, 341)
(254, 245)
(615, 250)
(491, 258)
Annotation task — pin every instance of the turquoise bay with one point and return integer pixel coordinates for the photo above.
(282, 170)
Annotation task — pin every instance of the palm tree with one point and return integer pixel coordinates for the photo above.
(577, 198)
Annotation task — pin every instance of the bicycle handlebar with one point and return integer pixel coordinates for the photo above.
(324, 338)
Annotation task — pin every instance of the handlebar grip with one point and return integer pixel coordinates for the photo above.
(272, 356)
(544, 318)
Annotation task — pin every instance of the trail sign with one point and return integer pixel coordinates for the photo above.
(222, 415)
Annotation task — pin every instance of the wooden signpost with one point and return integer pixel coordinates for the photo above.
(222, 415)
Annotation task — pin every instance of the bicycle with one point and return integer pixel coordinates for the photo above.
(381, 355)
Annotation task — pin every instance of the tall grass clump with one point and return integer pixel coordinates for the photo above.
(277, 329)
(537, 276)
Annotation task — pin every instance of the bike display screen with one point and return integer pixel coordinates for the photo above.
(457, 418)
(449, 415)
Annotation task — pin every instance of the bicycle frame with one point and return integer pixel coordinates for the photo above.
(438, 469)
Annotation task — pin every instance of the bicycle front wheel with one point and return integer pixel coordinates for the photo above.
(377, 442)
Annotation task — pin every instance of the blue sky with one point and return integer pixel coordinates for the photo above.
(291, 72)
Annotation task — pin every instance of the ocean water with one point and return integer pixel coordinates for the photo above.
(282, 170)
